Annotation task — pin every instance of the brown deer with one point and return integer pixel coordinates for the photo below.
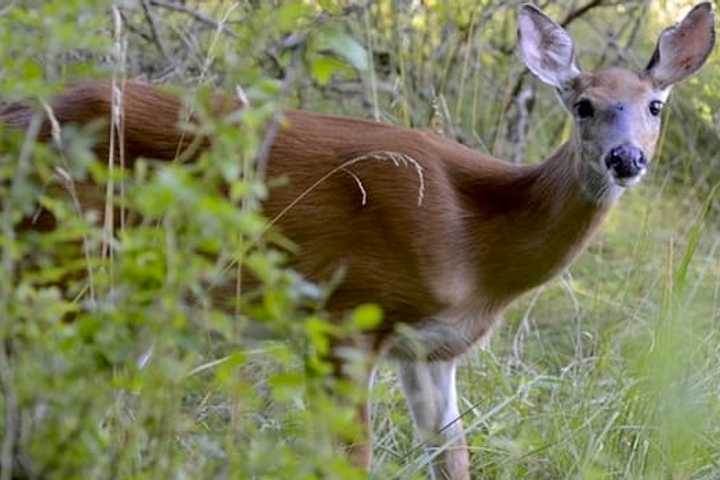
(445, 244)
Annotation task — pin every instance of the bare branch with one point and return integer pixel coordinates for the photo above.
(150, 17)
(273, 127)
(199, 16)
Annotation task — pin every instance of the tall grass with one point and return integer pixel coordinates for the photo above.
(611, 371)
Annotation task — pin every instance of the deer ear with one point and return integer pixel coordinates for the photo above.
(683, 48)
(546, 48)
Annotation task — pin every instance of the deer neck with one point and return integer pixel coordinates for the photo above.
(540, 218)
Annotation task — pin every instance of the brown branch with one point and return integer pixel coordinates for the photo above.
(575, 14)
(198, 16)
(263, 153)
(638, 22)
(132, 28)
(11, 415)
(613, 39)
(150, 17)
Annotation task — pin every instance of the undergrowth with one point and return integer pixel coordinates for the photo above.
(133, 370)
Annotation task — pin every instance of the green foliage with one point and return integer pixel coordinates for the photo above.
(134, 368)
(138, 368)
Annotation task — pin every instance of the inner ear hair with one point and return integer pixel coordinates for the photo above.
(546, 47)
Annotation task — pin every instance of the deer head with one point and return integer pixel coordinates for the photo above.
(617, 112)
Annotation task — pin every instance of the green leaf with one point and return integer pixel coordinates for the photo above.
(331, 6)
(291, 15)
(322, 68)
(344, 46)
(367, 316)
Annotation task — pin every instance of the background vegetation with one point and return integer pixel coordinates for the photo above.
(612, 371)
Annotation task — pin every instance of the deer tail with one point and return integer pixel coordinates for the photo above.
(149, 120)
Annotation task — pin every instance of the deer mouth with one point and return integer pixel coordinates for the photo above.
(626, 182)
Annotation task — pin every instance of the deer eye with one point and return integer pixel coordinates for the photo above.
(584, 109)
(655, 107)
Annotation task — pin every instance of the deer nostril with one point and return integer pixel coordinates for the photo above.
(615, 157)
(625, 161)
(640, 160)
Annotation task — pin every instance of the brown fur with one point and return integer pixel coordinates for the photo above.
(503, 229)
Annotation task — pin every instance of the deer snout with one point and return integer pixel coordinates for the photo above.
(625, 161)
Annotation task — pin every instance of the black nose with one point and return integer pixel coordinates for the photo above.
(625, 161)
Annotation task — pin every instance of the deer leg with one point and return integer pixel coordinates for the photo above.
(429, 388)
(360, 451)
(360, 373)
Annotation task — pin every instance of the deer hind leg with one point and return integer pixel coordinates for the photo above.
(429, 388)
(360, 371)
(360, 451)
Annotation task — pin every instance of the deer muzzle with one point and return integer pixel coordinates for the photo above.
(626, 162)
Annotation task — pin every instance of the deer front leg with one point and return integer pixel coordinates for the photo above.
(429, 388)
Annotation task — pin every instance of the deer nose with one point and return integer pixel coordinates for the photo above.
(625, 161)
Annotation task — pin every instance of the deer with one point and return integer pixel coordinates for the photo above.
(446, 244)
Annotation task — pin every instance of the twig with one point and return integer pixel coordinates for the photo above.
(209, 57)
(12, 419)
(200, 17)
(133, 29)
(69, 185)
(263, 153)
(117, 139)
(636, 27)
(5, 10)
(575, 14)
(150, 17)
